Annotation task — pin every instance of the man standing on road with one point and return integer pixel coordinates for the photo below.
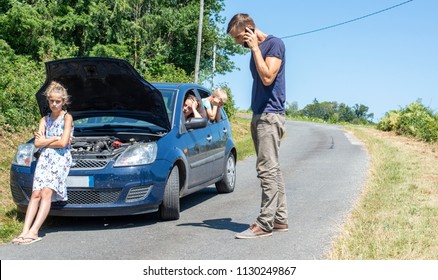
(267, 67)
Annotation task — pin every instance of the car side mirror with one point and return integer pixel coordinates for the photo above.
(195, 123)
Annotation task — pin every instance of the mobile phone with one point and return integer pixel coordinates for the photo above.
(244, 43)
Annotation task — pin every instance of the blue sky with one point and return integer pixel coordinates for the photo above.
(385, 61)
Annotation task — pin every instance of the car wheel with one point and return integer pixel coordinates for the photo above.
(169, 208)
(226, 185)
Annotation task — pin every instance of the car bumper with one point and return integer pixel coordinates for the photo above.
(113, 191)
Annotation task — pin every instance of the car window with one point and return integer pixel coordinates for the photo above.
(205, 94)
(169, 97)
(110, 121)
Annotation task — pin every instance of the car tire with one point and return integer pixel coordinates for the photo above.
(170, 207)
(227, 183)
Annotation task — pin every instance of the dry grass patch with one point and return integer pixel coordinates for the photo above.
(396, 217)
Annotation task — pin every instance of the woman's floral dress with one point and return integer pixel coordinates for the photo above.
(53, 164)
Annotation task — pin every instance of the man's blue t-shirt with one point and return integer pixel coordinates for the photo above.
(269, 99)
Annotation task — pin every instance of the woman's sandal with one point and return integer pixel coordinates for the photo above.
(29, 240)
(17, 240)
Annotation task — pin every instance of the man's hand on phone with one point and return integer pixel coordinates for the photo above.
(249, 31)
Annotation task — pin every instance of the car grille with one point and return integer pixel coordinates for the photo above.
(92, 196)
(137, 194)
(85, 197)
(88, 164)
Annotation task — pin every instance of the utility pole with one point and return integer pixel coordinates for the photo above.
(214, 65)
(198, 49)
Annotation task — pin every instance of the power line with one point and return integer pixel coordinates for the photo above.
(346, 22)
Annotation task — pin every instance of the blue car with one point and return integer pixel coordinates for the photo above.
(133, 150)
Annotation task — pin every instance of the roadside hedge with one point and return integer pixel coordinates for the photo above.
(21, 78)
(414, 120)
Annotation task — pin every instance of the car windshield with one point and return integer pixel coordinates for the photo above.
(114, 122)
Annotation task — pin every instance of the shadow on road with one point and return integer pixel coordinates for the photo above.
(197, 198)
(55, 224)
(220, 224)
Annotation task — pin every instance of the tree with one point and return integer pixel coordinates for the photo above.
(292, 109)
(147, 33)
(229, 106)
(157, 37)
(361, 112)
(345, 112)
(324, 110)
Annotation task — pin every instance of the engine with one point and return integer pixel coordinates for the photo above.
(97, 147)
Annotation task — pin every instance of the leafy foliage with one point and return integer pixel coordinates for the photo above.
(145, 33)
(414, 120)
(20, 80)
(158, 38)
(229, 106)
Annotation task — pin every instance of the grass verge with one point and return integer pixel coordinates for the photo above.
(10, 224)
(397, 215)
(242, 137)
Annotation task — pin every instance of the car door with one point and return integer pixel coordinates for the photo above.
(219, 133)
(198, 151)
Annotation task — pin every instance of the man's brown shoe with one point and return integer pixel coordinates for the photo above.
(254, 231)
(281, 227)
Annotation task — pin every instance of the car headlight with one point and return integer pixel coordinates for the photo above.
(138, 154)
(25, 155)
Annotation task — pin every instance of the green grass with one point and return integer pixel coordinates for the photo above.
(242, 136)
(10, 220)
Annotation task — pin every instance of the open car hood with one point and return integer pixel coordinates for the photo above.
(101, 86)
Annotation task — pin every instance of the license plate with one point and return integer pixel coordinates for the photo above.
(80, 182)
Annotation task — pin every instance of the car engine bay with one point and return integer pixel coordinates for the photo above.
(98, 145)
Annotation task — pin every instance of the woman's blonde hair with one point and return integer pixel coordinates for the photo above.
(56, 87)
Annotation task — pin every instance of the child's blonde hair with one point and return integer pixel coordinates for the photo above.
(56, 87)
(222, 94)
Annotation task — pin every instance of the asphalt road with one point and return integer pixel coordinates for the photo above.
(324, 169)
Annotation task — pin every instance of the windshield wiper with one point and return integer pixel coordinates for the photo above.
(129, 129)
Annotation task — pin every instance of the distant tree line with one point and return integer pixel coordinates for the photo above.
(331, 112)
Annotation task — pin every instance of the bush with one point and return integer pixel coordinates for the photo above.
(414, 120)
(21, 78)
(390, 121)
